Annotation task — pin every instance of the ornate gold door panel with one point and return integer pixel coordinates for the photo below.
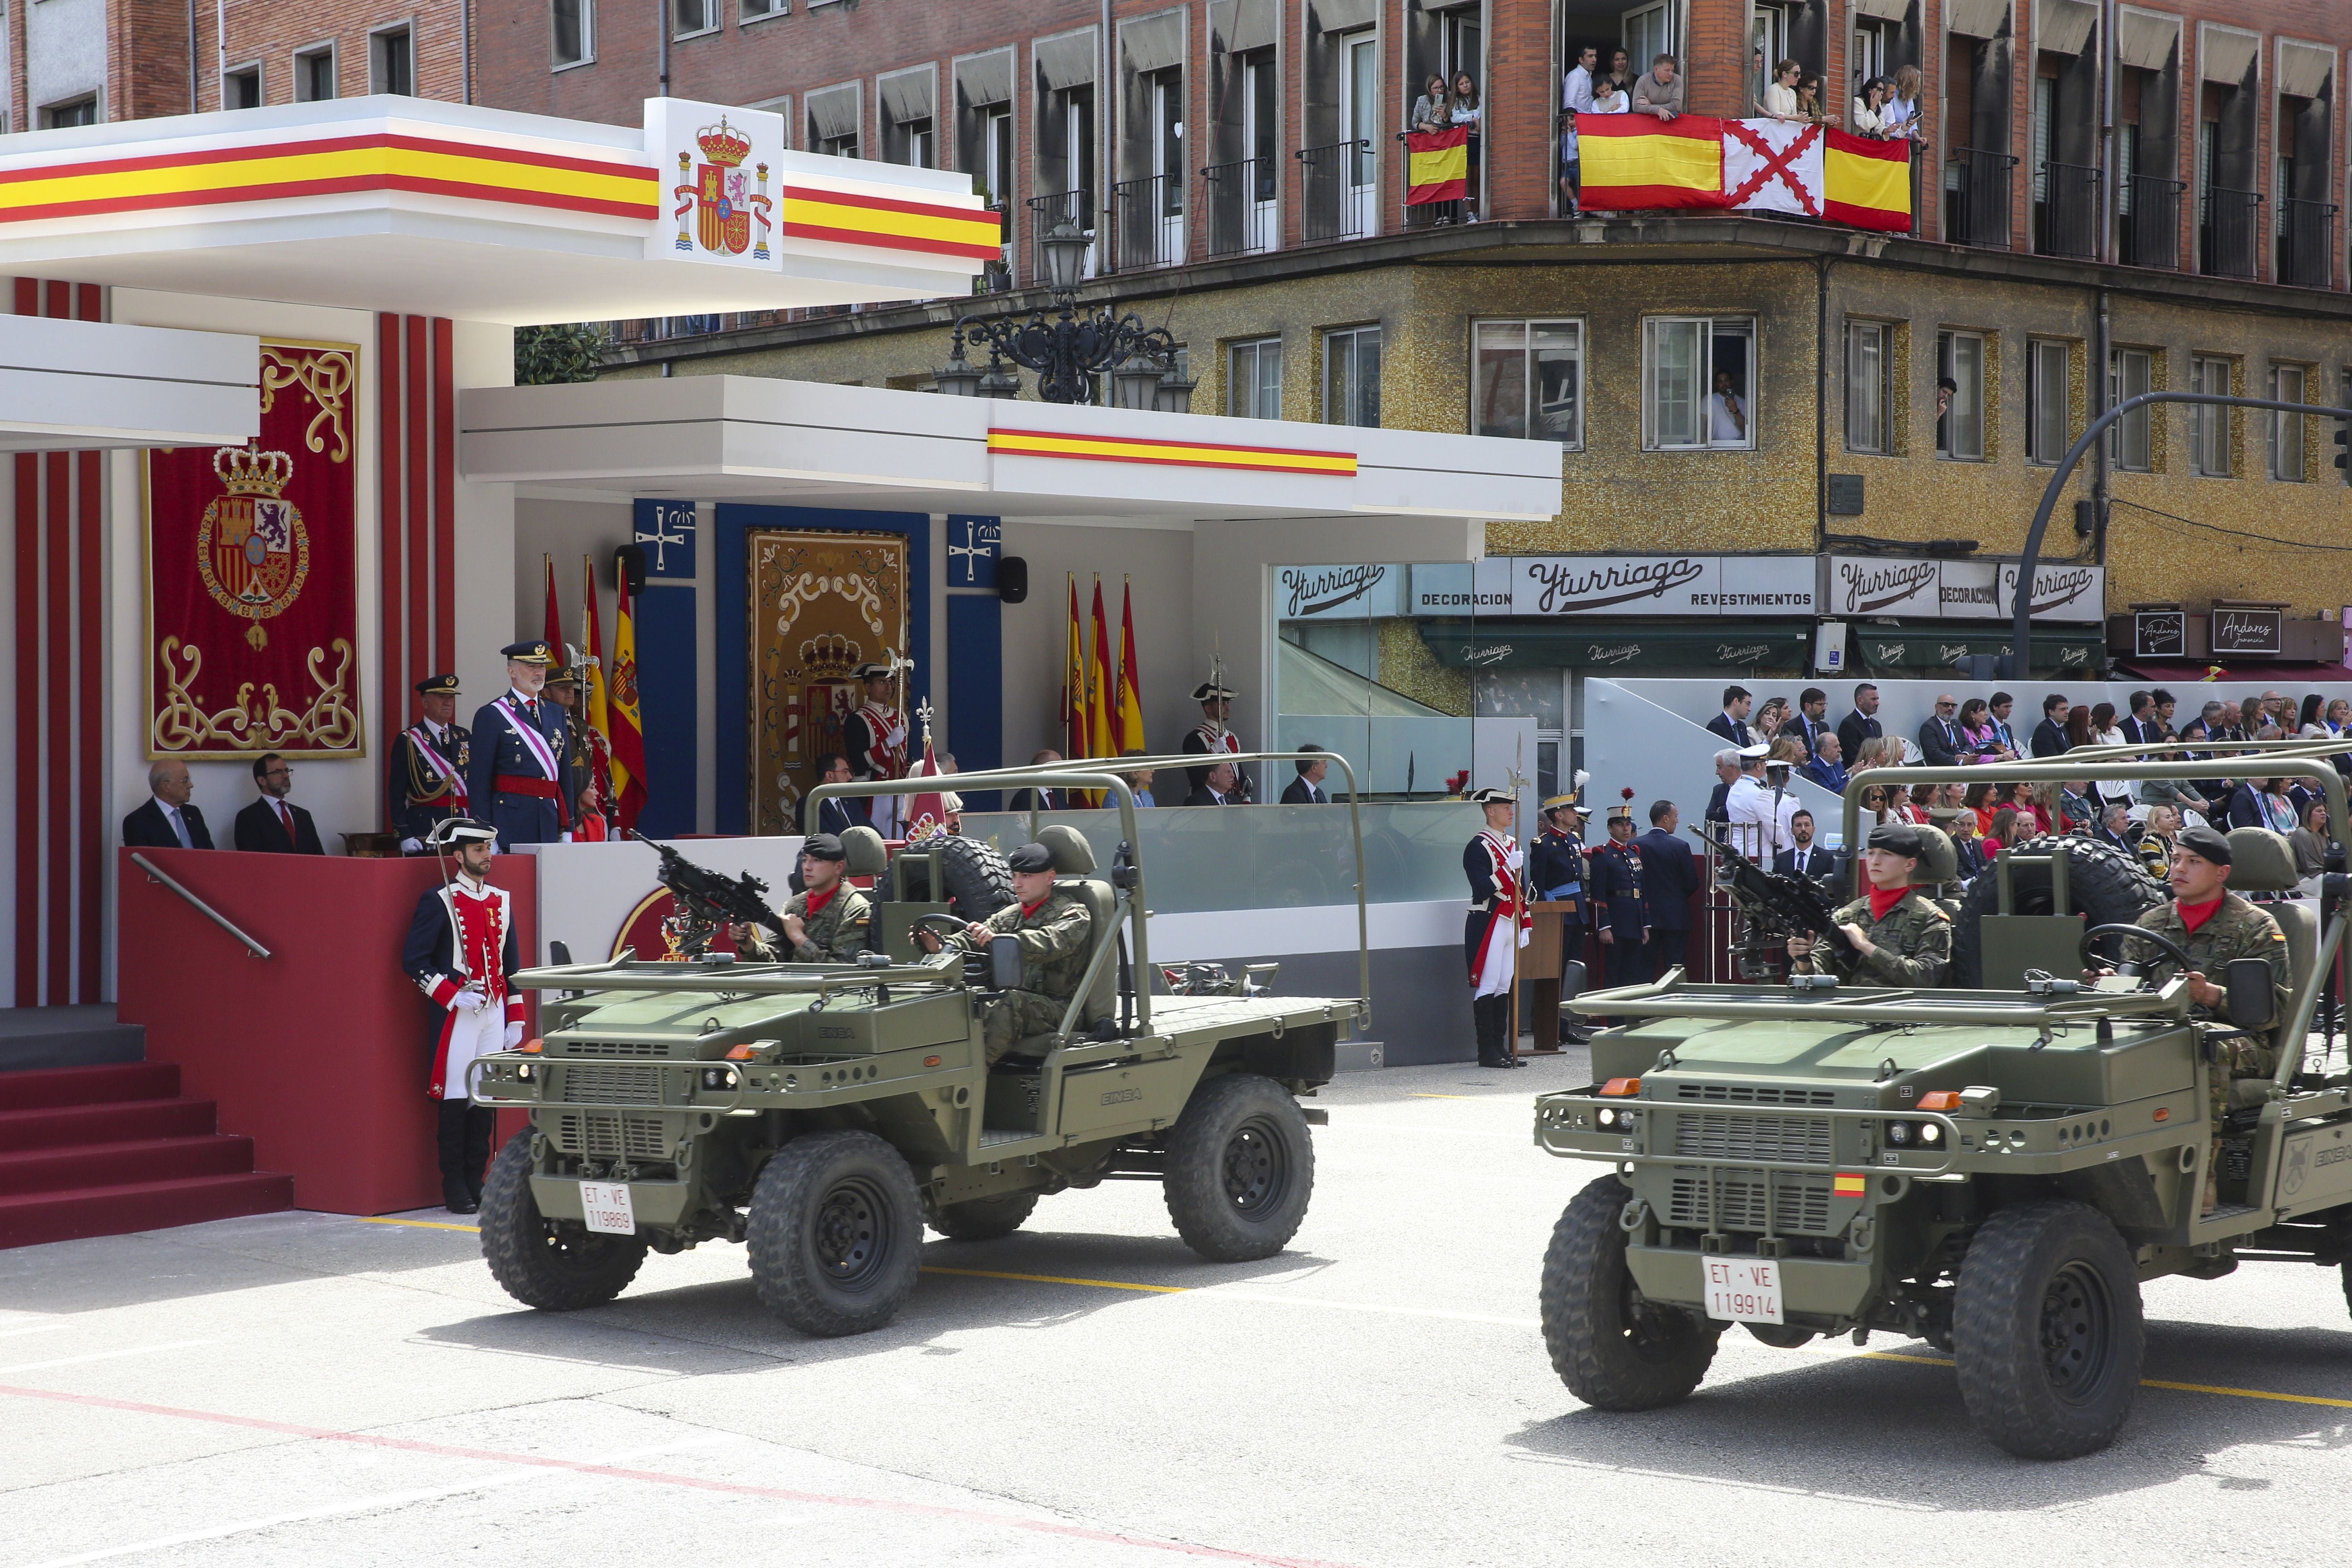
(820, 604)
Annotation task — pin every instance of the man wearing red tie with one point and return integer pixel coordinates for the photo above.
(270, 826)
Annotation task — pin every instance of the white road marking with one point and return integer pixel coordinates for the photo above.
(104, 1355)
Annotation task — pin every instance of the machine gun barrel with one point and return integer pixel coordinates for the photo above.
(1792, 901)
(709, 896)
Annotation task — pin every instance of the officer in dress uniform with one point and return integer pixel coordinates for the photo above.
(1557, 876)
(1211, 736)
(519, 780)
(588, 799)
(1615, 888)
(462, 953)
(425, 781)
(1494, 929)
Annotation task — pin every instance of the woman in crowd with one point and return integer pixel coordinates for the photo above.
(1869, 104)
(2309, 725)
(2251, 720)
(1810, 99)
(2008, 831)
(2264, 803)
(1465, 115)
(1873, 807)
(1621, 71)
(2078, 726)
(2038, 805)
(2309, 842)
(1781, 95)
(1430, 112)
(1978, 730)
(1979, 798)
(1902, 111)
(2106, 732)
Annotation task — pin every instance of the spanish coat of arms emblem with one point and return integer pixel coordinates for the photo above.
(718, 194)
(252, 551)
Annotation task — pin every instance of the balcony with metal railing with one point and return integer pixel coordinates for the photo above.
(1147, 224)
(1244, 206)
(2148, 228)
(2306, 244)
(1975, 197)
(2066, 210)
(1338, 191)
(2226, 238)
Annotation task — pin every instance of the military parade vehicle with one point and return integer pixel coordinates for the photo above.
(822, 1114)
(1995, 1170)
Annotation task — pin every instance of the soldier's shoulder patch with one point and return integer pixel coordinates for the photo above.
(2277, 935)
(1938, 910)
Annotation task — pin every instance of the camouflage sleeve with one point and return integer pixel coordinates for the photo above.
(1925, 945)
(847, 938)
(1825, 959)
(1063, 932)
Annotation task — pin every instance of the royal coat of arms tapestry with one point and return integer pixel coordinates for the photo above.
(252, 574)
(822, 604)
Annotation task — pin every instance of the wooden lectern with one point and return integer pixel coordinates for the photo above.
(1540, 967)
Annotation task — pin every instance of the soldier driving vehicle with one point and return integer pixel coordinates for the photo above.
(824, 1111)
(1994, 1168)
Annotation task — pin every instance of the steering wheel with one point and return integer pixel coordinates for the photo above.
(2172, 949)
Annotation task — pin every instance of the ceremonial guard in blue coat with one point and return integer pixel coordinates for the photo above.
(425, 781)
(1496, 928)
(462, 953)
(1615, 886)
(1558, 872)
(520, 779)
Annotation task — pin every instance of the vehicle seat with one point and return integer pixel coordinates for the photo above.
(1939, 863)
(1074, 858)
(2261, 861)
(863, 845)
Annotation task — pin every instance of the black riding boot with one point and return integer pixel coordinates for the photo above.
(481, 1123)
(458, 1194)
(1493, 1018)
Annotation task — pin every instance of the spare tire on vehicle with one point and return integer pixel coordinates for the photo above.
(979, 882)
(2103, 883)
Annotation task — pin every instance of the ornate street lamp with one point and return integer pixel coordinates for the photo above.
(1068, 349)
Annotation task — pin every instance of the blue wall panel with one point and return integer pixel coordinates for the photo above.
(666, 665)
(975, 665)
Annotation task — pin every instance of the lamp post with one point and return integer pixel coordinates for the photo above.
(1067, 348)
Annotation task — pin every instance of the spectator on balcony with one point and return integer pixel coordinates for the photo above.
(1810, 99)
(1902, 112)
(1870, 107)
(1432, 111)
(1621, 71)
(1609, 96)
(1575, 99)
(1659, 91)
(1462, 112)
(1781, 94)
(1727, 410)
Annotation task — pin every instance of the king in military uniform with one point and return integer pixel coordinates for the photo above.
(1056, 933)
(1618, 912)
(425, 781)
(520, 779)
(1898, 936)
(827, 921)
(462, 953)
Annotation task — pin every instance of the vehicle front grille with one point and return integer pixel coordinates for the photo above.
(612, 1085)
(1745, 1094)
(1800, 1205)
(612, 1049)
(610, 1135)
(1771, 1140)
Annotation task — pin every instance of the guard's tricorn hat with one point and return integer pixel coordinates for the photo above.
(1897, 838)
(1488, 796)
(2206, 844)
(824, 847)
(872, 670)
(1030, 857)
(530, 652)
(457, 830)
(437, 686)
(1210, 692)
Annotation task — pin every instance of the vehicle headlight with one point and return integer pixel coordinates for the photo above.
(526, 1071)
(1898, 1132)
(1930, 1134)
(718, 1077)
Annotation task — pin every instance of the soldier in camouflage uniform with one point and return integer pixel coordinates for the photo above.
(1056, 932)
(1900, 937)
(2215, 925)
(828, 922)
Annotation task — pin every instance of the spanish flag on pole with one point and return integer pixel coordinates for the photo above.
(1437, 165)
(1635, 162)
(1130, 690)
(1075, 729)
(623, 714)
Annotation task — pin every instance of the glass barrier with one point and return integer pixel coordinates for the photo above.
(1201, 858)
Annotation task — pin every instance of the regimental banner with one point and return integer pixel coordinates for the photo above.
(823, 602)
(252, 584)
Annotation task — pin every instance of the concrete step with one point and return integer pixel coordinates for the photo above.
(32, 1039)
(55, 1171)
(68, 1126)
(28, 1219)
(45, 1088)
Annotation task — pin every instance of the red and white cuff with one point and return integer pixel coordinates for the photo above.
(443, 991)
(514, 1009)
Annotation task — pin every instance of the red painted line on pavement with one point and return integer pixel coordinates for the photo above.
(658, 1477)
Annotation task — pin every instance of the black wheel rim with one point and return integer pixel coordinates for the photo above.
(1653, 1333)
(851, 1234)
(1256, 1168)
(2078, 1339)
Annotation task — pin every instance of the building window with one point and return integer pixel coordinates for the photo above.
(2130, 445)
(1869, 385)
(1254, 379)
(2208, 424)
(1352, 376)
(1529, 380)
(241, 89)
(314, 75)
(689, 17)
(2287, 383)
(80, 111)
(996, 153)
(834, 114)
(1959, 412)
(760, 10)
(1698, 382)
(572, 28)
(392, 61)
(2049, 399)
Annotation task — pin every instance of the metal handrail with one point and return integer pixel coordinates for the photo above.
(1668, 998)
(202, 908)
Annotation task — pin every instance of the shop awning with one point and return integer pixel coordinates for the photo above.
(1928, 650)
(1653, 647)
(2235, 669)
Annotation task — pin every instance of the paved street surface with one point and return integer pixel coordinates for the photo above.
(310, 1389)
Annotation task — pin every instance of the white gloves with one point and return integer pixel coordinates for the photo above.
(468, 1001)
(896, 737)
(411, 845)
(1515, 859)
(514, 1035)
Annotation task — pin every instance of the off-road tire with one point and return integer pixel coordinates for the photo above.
(2102, 882)
(984, 1219)
(978, 881)
(1241, 1169)
(835, 1233)
(1612, 1350)
(2046, 1330)
(556, 1266)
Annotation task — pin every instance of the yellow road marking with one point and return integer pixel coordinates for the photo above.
(2158, 1382)
(1059, 1280)
(417, 1224)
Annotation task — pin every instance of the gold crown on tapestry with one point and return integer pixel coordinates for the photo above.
(831, 657)
(247, 472)
(724, 144)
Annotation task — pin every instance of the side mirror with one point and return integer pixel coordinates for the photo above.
(2252, 1002)
(1004, 964)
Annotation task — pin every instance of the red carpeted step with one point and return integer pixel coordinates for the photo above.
(131, 1160)
(28, 1219)
(39, 1087)
(63, 1126)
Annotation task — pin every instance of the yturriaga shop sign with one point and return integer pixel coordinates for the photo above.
(1960, 590)
(1621, 586)
(1354, 591)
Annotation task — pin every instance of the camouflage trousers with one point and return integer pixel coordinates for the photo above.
(2236, 1058)
(1015, 1015)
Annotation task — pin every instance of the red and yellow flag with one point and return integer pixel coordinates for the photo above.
(1847, 1184)
(1130, 690)
(1632, 161)
(624, 715)
(593, 694)
(1102, 675)
(1866, 182)
(1437, 165)
(1074, 736)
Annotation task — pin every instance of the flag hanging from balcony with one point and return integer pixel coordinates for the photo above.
(1633, 163)
(1771, 165)
(1437, 165)
(1866, 184)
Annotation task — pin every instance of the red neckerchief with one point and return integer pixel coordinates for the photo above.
(1028, 909)
(2195, 915)
(816, 901)
(1884, 900)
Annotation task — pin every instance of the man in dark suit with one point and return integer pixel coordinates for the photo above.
(1812, 720)
(1940, 737)
(270, 826)
(1045, 799)
(1307, 789)
(1997, 709)
(2140, 727)
(1218, 789)
(1669, 876)
(1803, 857)
(1859, 725)
(2050, 735)
(832, 816)
(167, 821)
(1732, 722)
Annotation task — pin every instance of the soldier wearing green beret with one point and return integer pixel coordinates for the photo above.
(1056, 933)
(1899, 938)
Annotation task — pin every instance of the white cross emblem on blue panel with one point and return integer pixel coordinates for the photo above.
(974, 544)
(670, 542)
